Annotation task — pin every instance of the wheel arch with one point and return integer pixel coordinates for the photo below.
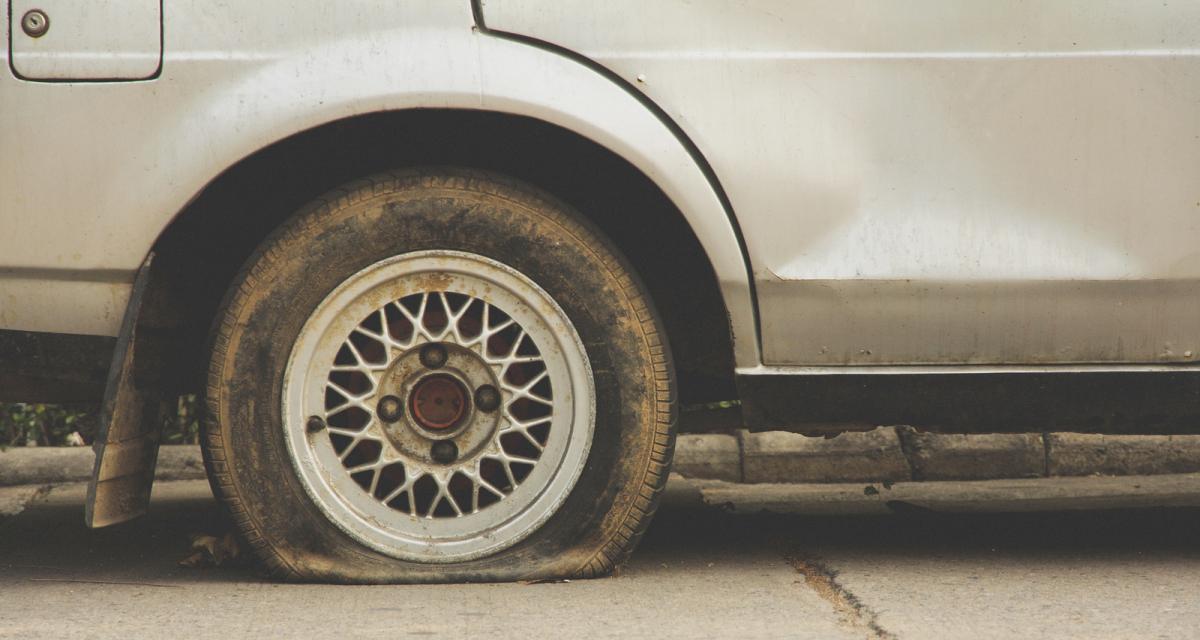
(524, 110)
(202, 248)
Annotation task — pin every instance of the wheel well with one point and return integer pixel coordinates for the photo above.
(203, 248)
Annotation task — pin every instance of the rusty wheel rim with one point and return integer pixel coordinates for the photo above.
(438, 406)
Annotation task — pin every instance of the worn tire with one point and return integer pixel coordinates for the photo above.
(609, 508)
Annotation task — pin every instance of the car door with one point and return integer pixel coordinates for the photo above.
(934, 182)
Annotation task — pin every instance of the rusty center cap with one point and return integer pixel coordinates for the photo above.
(438, 402)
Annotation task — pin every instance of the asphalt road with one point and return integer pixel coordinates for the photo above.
(722, 569)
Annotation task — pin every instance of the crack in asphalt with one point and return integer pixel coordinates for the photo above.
(851, 611)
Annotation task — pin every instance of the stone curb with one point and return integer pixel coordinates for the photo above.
(973, 457)
(886, 454)
(1077, 454)
(894, 454)
(870, 456)
(971, 496)
(51, 465)
(712, 456)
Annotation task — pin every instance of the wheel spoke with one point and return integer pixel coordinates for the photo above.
(417, 320)
(349, 449)
(375, 480)
(347, 394)
(444, 492)
(413, 338)
(519, 459)
(484, 484)
(349, 433)
(504, 462)
(525, 392)
(363, 467)
(361, 328)
(405, 487)
(532, 440)
(453, 318)
(490, 329)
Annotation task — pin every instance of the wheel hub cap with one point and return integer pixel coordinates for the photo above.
(438, 402)
(459, 405)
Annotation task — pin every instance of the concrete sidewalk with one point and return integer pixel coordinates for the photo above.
(886, 454)
(721, 560)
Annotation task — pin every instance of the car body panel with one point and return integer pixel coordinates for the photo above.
(83, 201)
(934, 182)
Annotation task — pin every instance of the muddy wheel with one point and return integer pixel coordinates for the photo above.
(438, 375)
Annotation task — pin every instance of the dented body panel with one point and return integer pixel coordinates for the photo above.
(935, 181)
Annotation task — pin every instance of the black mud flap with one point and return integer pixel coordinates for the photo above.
(131, 418)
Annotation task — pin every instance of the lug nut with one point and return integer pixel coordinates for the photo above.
(390, 408)
(433, 356)
(314, 424)
(487, 398)
(443, 452)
